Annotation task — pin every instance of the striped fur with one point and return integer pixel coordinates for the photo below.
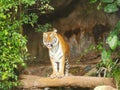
(58, 52)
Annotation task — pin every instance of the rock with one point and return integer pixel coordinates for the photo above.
(104, 87)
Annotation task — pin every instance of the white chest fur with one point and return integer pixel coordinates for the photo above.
(56, 53)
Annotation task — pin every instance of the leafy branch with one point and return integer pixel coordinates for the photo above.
(13, 50)
(108, 66)
(109, 6)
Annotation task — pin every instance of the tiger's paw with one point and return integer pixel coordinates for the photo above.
(60, 75)
(53, 76)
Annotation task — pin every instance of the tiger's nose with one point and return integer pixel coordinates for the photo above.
(50, 45)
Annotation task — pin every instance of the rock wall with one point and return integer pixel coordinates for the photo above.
(79, 22)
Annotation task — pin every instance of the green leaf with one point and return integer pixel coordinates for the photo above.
(118, 43)
(106, 57)
(13, 50)
(118, 2)
(93, 1)
(99, 6)
(112, 41)
(110, 8)
(107, 1)
(2, 16)
(29, 2)
(4, 76)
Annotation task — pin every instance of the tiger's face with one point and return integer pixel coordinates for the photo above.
(50, 39)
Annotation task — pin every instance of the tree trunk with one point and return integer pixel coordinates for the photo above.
(30, 81)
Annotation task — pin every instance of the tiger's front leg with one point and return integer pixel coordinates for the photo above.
(55, 71)
(61, 67)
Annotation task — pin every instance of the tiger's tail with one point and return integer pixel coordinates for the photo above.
(67, 67)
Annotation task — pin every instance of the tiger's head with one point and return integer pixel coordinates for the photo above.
(50, 39)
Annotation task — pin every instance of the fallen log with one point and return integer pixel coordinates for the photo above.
(31, 81)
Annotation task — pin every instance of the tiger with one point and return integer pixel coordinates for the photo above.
(58, 53)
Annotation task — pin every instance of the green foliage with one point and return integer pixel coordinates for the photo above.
(43, 28)
(30, 19)
(106, 57)
(112, 41)
(107, 1)
(110, 67)
(45, 7)
(93, 1)
(116, 74)
(27, 2)
(109, 6)
(118, 2)
(13, 50)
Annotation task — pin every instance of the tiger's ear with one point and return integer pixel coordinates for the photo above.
(54, 30)
(45, 34)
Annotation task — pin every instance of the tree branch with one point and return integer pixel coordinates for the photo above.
(30, 81)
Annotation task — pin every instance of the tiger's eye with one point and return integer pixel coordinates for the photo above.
(54, 39)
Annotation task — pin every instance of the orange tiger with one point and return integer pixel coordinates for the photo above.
(58, 53)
